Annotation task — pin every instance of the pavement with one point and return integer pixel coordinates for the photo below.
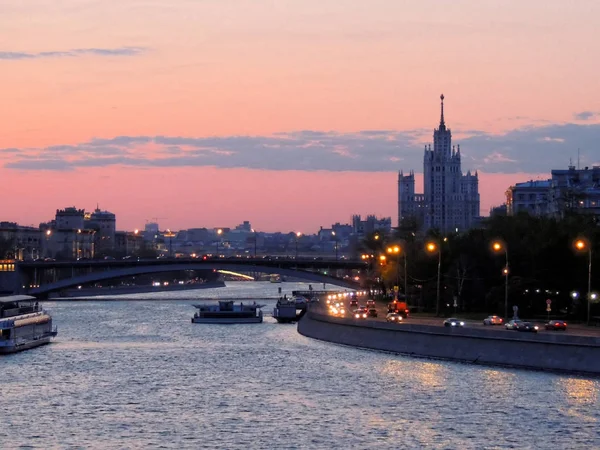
(572, 329)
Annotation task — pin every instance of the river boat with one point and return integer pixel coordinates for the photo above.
(23, 324)
(227, 312)
(290, 310)
(275, 279)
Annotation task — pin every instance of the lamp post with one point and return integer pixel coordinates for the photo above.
(433, 247)
(396, 250)
(170, 235)
(582, 245)
(219, 233)
(78, 243)
(254, 231)
(498, 246)
(298, 234)
(336, 244)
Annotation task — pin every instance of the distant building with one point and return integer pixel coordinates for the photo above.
(70, 218)
(370, 225)
(450, 201)
(532, 197)
(570, 190)
(501, 210)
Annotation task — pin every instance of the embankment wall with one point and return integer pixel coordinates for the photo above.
(557, 352)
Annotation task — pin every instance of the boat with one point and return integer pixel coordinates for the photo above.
(227, 312)
(23, 324)
(275, 279)
(289, 310)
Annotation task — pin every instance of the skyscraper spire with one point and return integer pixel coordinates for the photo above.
(442, 124)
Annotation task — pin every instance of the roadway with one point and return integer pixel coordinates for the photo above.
(572, 329)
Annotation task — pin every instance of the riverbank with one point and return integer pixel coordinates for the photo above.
(552, 352)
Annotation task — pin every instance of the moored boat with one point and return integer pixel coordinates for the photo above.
(289, 310)
(226, 312)
(23, 324)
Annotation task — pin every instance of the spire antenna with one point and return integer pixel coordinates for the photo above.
(442, 124)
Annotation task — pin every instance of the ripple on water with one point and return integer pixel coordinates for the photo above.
(140, 375)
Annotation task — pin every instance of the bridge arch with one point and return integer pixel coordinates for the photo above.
(123, 272)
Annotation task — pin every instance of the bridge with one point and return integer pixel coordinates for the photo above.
(70, 274)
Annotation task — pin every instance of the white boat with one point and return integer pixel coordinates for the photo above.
(275, 278)
(23, 324)
(226, 312)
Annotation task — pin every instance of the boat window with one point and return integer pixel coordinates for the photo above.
(5, 334)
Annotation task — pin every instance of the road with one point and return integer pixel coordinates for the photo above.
(572, 329)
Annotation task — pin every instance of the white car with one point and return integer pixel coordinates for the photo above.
(394, 317)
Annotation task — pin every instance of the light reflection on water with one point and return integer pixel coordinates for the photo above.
(140, 375)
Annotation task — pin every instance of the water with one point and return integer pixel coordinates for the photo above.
(141, 375)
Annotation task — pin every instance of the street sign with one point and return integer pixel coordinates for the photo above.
(548, 302)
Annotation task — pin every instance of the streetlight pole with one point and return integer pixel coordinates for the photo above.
(432, 247)
(298, 234)
(502, 247)
(254, 231)
(219, 232)
(582, 245)
(336, 244)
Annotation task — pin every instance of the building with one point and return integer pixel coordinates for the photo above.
(19, 242)
(450, 200)
(532, 197)
(104, 223)
(370, 225)
(70, 218)
(570, 190)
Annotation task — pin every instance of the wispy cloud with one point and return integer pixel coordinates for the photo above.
(586, 115)
(531, 149)
(118, 51)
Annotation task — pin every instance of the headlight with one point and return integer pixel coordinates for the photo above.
(343, 311)
(535, 328)
(462, 324)
(364, 316)
(357, 316)
(453, 324)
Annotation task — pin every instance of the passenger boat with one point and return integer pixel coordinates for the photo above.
(290, 310)
(23, 324)
(275, 279)
(227, 312)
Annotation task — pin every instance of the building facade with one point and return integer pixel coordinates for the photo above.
(532, 197)
(450, 200)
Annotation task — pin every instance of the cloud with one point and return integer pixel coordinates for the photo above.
(118, 51)
(532, 149)
(585, 115)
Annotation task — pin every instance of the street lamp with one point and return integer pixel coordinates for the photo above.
(433, 247)
(170, 235)
(254, 231)
(336, 244)
(78, 251)
(298, 234)
(219, 233)
(396, 250)
(583, 245)
(498, 247)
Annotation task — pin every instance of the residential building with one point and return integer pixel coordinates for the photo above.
(450, 200)
(532, 197)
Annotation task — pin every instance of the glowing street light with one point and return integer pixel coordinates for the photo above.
(397, 250)
(298, 234)
(219, 233)
(499, 247)
(583, 245)
(433, 247)
(336, 244)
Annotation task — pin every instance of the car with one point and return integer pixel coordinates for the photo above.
(512, 325)
(354, 303)
(394, 317)
(527, 326)
(453, 322)
(493, 320)
(371, 303)
(372, 312)
(556, 325)
(360, 314)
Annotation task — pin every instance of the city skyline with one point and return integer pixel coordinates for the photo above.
(142, 121)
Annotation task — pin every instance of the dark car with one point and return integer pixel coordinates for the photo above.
(556, 325)
(354, 303)
(371, 303)
(372, 312)
(527, 326)
(453, 322)
(513, 324)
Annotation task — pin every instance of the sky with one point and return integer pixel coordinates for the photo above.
(291, 114)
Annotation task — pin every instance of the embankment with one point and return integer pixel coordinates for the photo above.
(557, 352)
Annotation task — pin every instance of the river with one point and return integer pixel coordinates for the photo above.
(139, 374)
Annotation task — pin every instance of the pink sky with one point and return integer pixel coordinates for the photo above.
(257, 68)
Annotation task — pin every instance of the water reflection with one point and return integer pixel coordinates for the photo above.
(579, 391)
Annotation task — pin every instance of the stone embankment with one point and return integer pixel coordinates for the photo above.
(554, 351)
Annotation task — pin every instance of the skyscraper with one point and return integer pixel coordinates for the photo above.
(450, 200)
